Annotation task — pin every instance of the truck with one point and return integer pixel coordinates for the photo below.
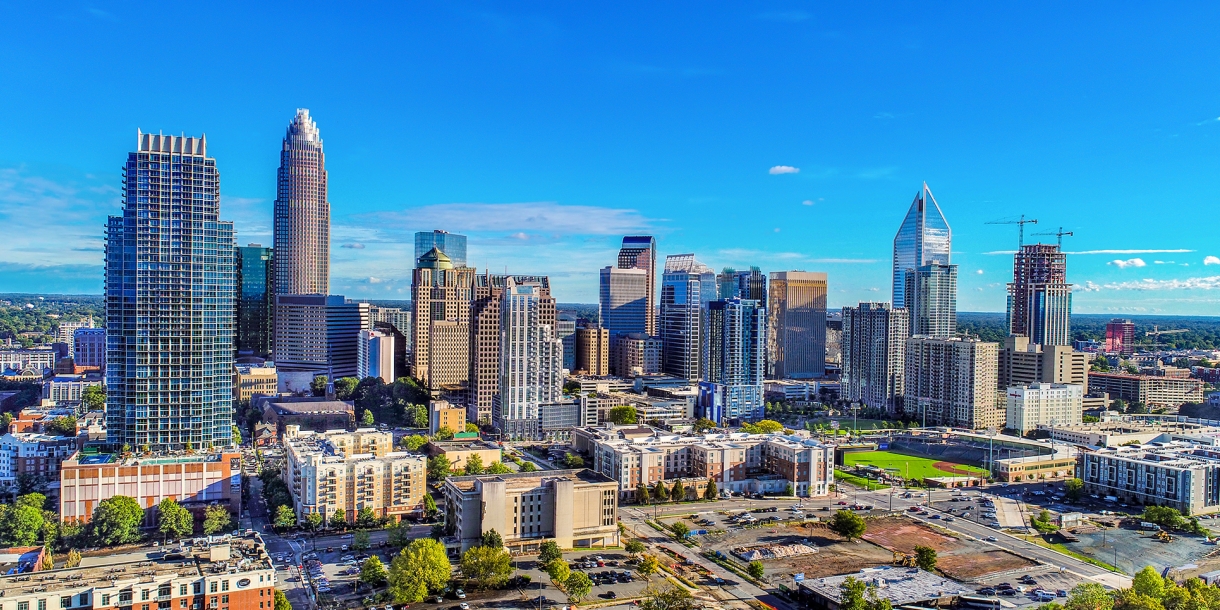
(1146, 526)
(1111, 499)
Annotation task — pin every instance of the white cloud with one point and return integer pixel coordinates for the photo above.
(1190, 283)
(1131, 262)
(807, 202)
(783, 169)
(980, 272)
(1211, 260)
(374, 280)
(353, 246)
(520, 235)
(994, 252)
(777, 229)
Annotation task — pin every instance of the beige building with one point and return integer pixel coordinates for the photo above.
(194, 480)
(485, 337)
(952, 382)
(441, 295)
(592, 351)
(635, 354)
(1153, 391)
(459, 452)
(445, 415)
(339, 470)
(797, 325)
(1023, 363)
(1038, 404)
(575, 508)
(249, 380)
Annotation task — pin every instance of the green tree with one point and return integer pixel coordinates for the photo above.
(33, 500)
(852, 593)
(366, 518)
(366, 419)
(578, 586)
(360, 541)
(528, 466)
(373, 572)
(284, 516)
(641, 494)
(414, 442)
(548, 552)
(649, 565)
(1163, 516)
(236, 435)
(704, 424)
(680, 530)
(430, 508)
(634, 547)
(313, 521)
(558, 570)
(281, 601)
(420, 567)
(445, 433)
(497, 467)
(678, 493)
(571, 460)
(93, 398)
(345, 388)
(116, 520)
(1073, 488)
(788, 491)
(398, 534)
(622, 415)
(755, 569)
(925, 557)
(1148, 582)
(487, 566)
(659, 492)
(474, 465)
(492, 539)
(173, 521)
(472, 427)
(73, 559)
(847, 524)
(318, 385)
(6, 420)
(338, 520)
(20, 524)
(667, 596)
(62, 426)
(438, 468)
(766, 426)
(711, 493)
(1089, 596)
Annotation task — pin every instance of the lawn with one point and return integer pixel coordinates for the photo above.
(907, 466)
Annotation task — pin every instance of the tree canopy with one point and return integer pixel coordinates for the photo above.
(420, 567)
(623, 415)
(116, 520)
(486, 566)
(373, 573)
(173, 521)
(847, 524)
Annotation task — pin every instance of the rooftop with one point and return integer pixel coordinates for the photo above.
(899, 585)
(175, 457)
(308, 404)
(529, 480)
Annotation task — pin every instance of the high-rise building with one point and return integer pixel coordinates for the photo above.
(317, 334)
(687, 286)
(623, 301)
(375, 355)
(635, 354)
(170, 296)
(923, 239)
(65, 331)
(592, 351)
(874, 349)
(89, 349)
(1023, 363)
(451, 244)
(1039, 297)
(798, 324)
(566, 329)
(441, 295)
(1043, 404)
(1120, 337)
(531, 362)
(748, 284)
(931, 297)
(395, 322)
(952, 382)
(734, 360)
(302, 212)
(485, 338)
(255, 300)
(640, 252)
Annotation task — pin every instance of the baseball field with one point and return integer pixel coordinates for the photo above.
(910, 466)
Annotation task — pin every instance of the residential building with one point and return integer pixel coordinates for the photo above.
(797, 325)
(195, 480)
(1149, 390)
(66, 390)
(35, 455)
(931, 300)
(452, 245)
(834, 337)
(531, 361)
(1176, 474)
(596, 405)
(255, 300)
(65, 330)
(441, 296)
(1039, 297)
(485, 339)
(375, 355)
(734, 361)
(640, 252)
(624, 299)
(396, 317)
(313, 413)
(459, 452)
(351, 471)
(1024, 363)
(573, 508)
(1039, 404)
(169, 357)
(445, 415)
(302, 213)
(687, 286)
(566, 331)
(635, 354)
(748, 284)
(1120, 337)
(952, 382)
(250, 380)
(874, 355)
(316, 334)
(38, 359)
(592, 351)
(89, 350)
(924, 238)
(37, 419)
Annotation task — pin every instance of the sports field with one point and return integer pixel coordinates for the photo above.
(910, 466)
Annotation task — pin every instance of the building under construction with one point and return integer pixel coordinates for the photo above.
(1039, 297)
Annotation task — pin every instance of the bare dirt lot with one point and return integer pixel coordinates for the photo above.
(959, 559)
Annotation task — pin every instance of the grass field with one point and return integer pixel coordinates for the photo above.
(907, 466)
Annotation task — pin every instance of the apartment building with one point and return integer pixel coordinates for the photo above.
(33, 454)
(349, 471)
(1178, 474)
(1153, 391)
(66, 390)
(1044, 404)
(460, 452)
(195, 480)
(574, 508)
(442, 414)
(1023, 363)
(952, 382)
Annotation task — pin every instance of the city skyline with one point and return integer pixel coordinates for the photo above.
(544, 188)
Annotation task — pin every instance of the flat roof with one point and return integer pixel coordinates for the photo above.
(899, 585)
(526, 480)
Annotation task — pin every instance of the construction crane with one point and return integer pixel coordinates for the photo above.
(1021, 222)
(1156, 332)
(1058, 235)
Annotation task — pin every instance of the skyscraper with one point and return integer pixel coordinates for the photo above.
(923, 239)
(441, 295)
(485, 342)
(170, 300)
(623, 300)
(952, 382)
(255, 300)
(1039, 297)
(734, 360)
(531, 362)
(302, 212)
(748, 284)
(317, 334)
(592, 351)
(686, 287)
(798, 324)
(640, 252)
(931, 294)
(451, 244)
(874, 347)
(375, 355)
(1120, 337)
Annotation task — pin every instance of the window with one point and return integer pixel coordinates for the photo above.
(42, 604)
(105, 599)
(144, 595)
(65, 602)
(23, 605)
(212, 587)
(182, 590)
(224, 585)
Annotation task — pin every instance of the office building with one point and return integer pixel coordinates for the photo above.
(734, 361)
(566, 330)
(687, 286)
(250, 380)
(316, 334)
(351, 471)
(302, 212)
(170, 300)
(34, 456)
(592, 351)
(66, 390)
(573, 508)
(623, 300)
(441, 414)
(1176, 474)
(89, 349)
(34, 359)
(749, 284)
(375, 355)
(952, 382)
(399, 325)
(195, 480)
(531, 361)
(1025, 363)
(1039, 297)
(459, 452)
(635, 354)
(451, 245)
(485, 340)
(640, 252)
(874, 355)
(441, 295)
(312, 413)
(924, 238)
(255, 300)
(931, 297)
(1150, 390)
(1120, 337)
(797, 327)
(1044, 404)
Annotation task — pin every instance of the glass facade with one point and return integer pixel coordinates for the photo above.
(640, 252)
(450, 244)
(687, 286)
(255, 300)
(734, 360)
(170, 301)
(302, 213)
(923, 239)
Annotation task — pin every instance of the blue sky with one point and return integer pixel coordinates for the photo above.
(545, 131)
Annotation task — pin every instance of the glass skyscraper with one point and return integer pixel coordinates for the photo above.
(302, 212)
(734, 360)
(450, 244)
(170, 299)
(931, 297)
(255, 300)
(923, 239)
(687, 286)
(640, 252)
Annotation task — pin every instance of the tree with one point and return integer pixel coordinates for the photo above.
(398, 534)
(649, 565)
(62, 426)
(20, 524)
(284, 516)
(558, 570)
(1163, 516)
(788, 491)
(680, 530)
(925, 558)
(173, 521)
(438, 468)
(678, 493)
(623, 415)
(73, 559)
(704, 424)
(847, 524)
(338, 520)
(313, 521)
(528, 466)
(472, 427)
(851, 594)
(373, 572)
(667, 596)
(1072, 488)
(1137, 408)
(418, 568)
(430, 508)
(578, 586)
(236, 435)
(497, 467)
(548, 552)
(116, 520)
(766, 426)
(492, 539)
(572, 460)
(366, 518)
(711, 493)
(487, 566)
(318, 385)
(366, 419)
(414, 442)
(281, 601)
(755, 569)
(445, 433)
(6, 420)
(474, 465)
(360, 541)
(93, 398)
(1148, 582)
(659, 492)
(641, 494)
(634, 547)
(345, 387)
(1089, 596)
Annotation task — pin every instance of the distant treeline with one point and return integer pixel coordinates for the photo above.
(1203, 332)
(27, 313)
